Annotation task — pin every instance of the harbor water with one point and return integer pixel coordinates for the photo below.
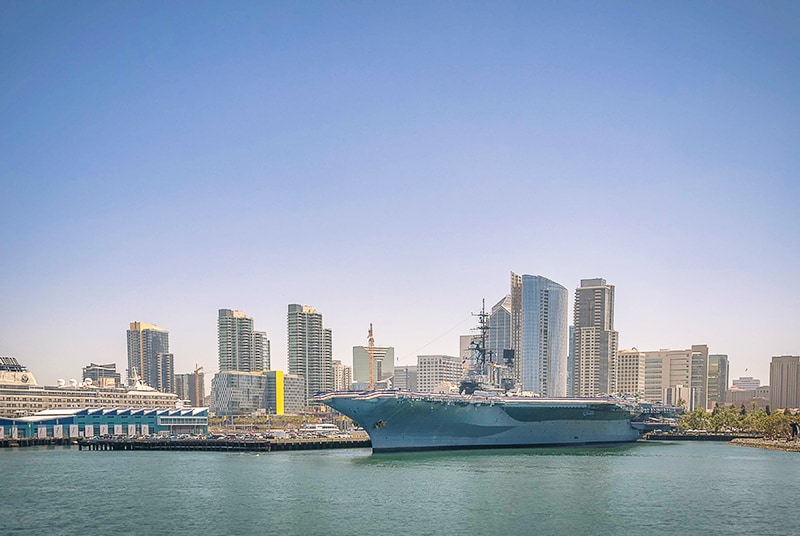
(640, 488)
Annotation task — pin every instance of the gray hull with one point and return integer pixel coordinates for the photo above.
(413, 421)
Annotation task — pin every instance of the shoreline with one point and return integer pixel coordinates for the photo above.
(769, 444)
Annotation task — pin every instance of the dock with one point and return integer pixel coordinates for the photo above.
(223, 445)
(9, 442)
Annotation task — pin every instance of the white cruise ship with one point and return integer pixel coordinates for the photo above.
(21, 395)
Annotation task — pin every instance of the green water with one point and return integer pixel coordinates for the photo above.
(643, 488)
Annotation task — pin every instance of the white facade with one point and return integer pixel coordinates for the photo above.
(433, 370)
(629, 372)
(342, 376)
(670, 368)
(748, 383)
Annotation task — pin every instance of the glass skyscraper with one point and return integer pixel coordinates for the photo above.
(498, 339)
(541, 327)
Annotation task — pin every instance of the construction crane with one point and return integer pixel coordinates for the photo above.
(371, 359)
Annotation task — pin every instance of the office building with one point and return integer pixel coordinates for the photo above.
(405, 378)
(748, 383)
(630, 373)
(595, 341)
(102, 375)
(439, 373)
(717, 379)
(285, 393)
(498, 338)
(679, 395)
(539, 330)
(571, 363)
(148, 356)
(384, 363)
(238, 393)
(191, 387)
(241, 348)
(669, 368)
(751, 399)
(784, 382)
(342, 376)
(309, 349)
(465, 345)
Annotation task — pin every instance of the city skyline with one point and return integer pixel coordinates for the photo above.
(391, 165)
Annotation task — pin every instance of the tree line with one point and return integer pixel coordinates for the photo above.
(772, 424)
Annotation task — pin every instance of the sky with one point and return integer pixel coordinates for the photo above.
(392, 163)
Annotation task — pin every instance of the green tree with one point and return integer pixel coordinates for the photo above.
(696, 420)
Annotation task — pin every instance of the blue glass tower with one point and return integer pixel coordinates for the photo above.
(543, 336)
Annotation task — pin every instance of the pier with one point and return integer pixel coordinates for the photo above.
(9, 442)
(229, 445)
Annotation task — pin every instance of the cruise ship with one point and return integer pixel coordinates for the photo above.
(482, 417)
(21, 395)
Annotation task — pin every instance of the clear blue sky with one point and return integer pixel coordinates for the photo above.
(393, 162)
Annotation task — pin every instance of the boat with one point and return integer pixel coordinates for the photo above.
(407, 421)
(482, 416)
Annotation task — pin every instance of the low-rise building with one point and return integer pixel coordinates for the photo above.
(88, 422)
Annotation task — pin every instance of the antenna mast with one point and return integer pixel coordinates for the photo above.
(371, 359)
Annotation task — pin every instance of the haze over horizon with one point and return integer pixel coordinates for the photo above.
(392, 164)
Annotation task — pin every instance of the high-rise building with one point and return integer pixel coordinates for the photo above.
(438, 373)
(594, 343)
(539, 329)
(784, 382)
(670, 368)
(191, 387)
(240, 347)
(571, 363)
(629, 372)
(717, 379)
(165, 379)
(310, 349)
(145, 343)
(342, 376)
(384, 363)
(102, 375)
(498, 338)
